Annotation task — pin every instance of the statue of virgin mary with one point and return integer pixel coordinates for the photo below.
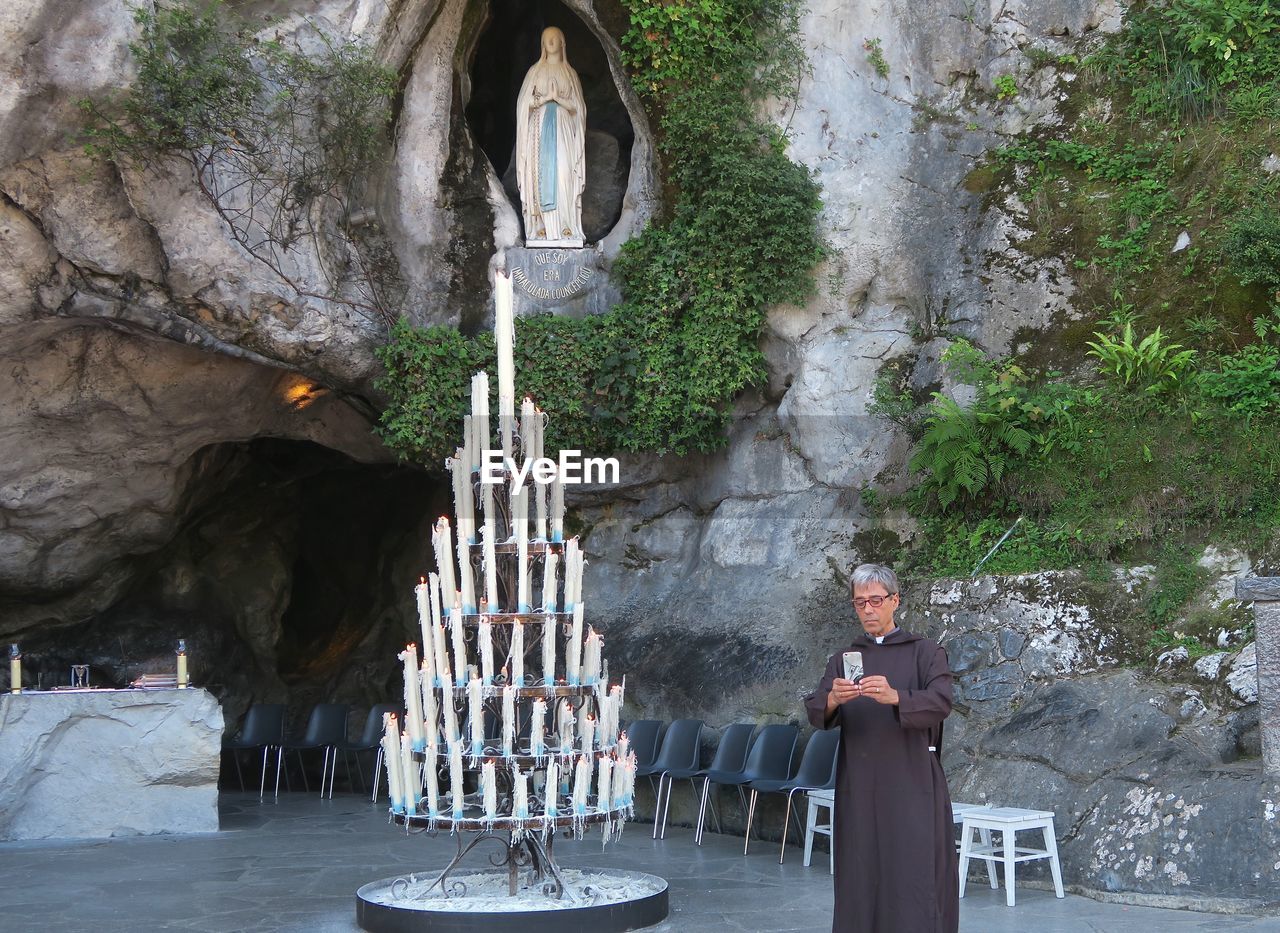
(551, 120)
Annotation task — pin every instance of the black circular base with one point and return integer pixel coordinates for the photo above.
(600, 918)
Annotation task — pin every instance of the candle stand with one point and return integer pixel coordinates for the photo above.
(511, 695)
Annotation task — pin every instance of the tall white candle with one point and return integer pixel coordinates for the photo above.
(504, 334)
(475, 706)
(520, 514)
(526, 429)
(489, 789)
(570, 568)
(451, 735)
(517, 653)
(508, 719)
(485, 635)
(573, 651)
(591, 659)
(582, 783)
(557, 508)
(490, 535)
(463, 500)
(422, 596)
(480, 416)
(619, 790)
(630, 785)
(520, 795)
(469, 458)
(443, 678)
(522, 576)
(430, 710)
(624, 746)
(466, 594)
(426, 622)
(391, 759)
(459, 647)
(566, 729)
(604, 791)
(537, 728)
(549, 583)
(586, 730)
(455, 780)
(539, 489)
(551, 792)
(549, 651)
(445, 554)
(433, 781)
(412, 777)
(412, 698)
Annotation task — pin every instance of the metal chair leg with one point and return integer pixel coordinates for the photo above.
(786, 824)
(702, 811)
(715, 814)
(377, 775)
(657, 806)
(751, 811)
(262, 785)
(235, 757)
(279, 763)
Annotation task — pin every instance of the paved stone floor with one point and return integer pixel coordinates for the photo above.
(295, 865)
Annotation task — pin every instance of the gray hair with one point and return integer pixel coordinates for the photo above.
(864, 574)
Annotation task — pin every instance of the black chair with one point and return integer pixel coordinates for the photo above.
(327, 730)
(730, 759)
(263, 728)
(770, 760)
(369, 740)
(817, 772)
(680, 749)
(644, 735)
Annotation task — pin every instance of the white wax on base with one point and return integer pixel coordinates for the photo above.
(517, 653)
(549, 583)
(489, 790)
(551, 791)
(486, 651)
(549, 651)
(508, 719)
(604, 792)
(475, 706)
(537, 728)
(455, 780)
(582, 783)
(412, 777)
(391, 760)
(433, 781)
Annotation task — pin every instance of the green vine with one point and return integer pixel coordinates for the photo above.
(658, 371)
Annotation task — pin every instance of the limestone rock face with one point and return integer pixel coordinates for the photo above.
(111, 763)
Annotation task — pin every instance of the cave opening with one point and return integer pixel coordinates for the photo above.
(506, 48)
(290, 577)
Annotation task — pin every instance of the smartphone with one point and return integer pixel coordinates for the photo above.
(853, 665)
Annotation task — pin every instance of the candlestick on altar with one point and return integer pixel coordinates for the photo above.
(442, 542)
(15, 668)
(433, 782)
(604, 791)
(586, 729)
(619, 789)
(537, 727)
(573, 651)
(423, 593)
(489, 789)
(480, 417)
(520, 796)
(459, 647)
(551, 790)
(485, 635)
(591, 659)
(557, 507)
(517, 653)
(455, 780)
(629, 793)
(566, 729)
(549, 651)
(181, 653)
(412, 777)
(508, 719)
(451, 735)
(412, 698)
(570, 568)
(504, 334)
(549, 595)
(475, 707)
(442, 678)
(391, 760)
(430, 709)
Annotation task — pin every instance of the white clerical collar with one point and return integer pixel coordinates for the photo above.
(880, 638)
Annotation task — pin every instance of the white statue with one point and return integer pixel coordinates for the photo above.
(551, 164)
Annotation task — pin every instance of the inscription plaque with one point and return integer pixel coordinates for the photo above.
(553, 275)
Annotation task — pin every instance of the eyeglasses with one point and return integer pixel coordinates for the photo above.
(874, 601)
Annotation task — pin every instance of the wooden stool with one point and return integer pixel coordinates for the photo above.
(820, 798)
(1007, 821)
(958, 810)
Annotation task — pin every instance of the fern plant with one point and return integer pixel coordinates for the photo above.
(966, 449)
(1151, 364)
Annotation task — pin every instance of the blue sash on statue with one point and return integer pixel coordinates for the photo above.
(547, 159)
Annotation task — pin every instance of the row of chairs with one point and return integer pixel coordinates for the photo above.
(264, 728)
(749, 761)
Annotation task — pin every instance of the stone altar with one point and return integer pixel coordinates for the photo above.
(98, 763)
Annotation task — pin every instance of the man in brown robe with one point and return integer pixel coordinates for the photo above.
(894, 838)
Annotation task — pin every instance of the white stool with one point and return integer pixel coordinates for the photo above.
(820, 798)
(1007, 821)
(958, 810)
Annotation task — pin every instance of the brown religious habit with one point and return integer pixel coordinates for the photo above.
(894, 848)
